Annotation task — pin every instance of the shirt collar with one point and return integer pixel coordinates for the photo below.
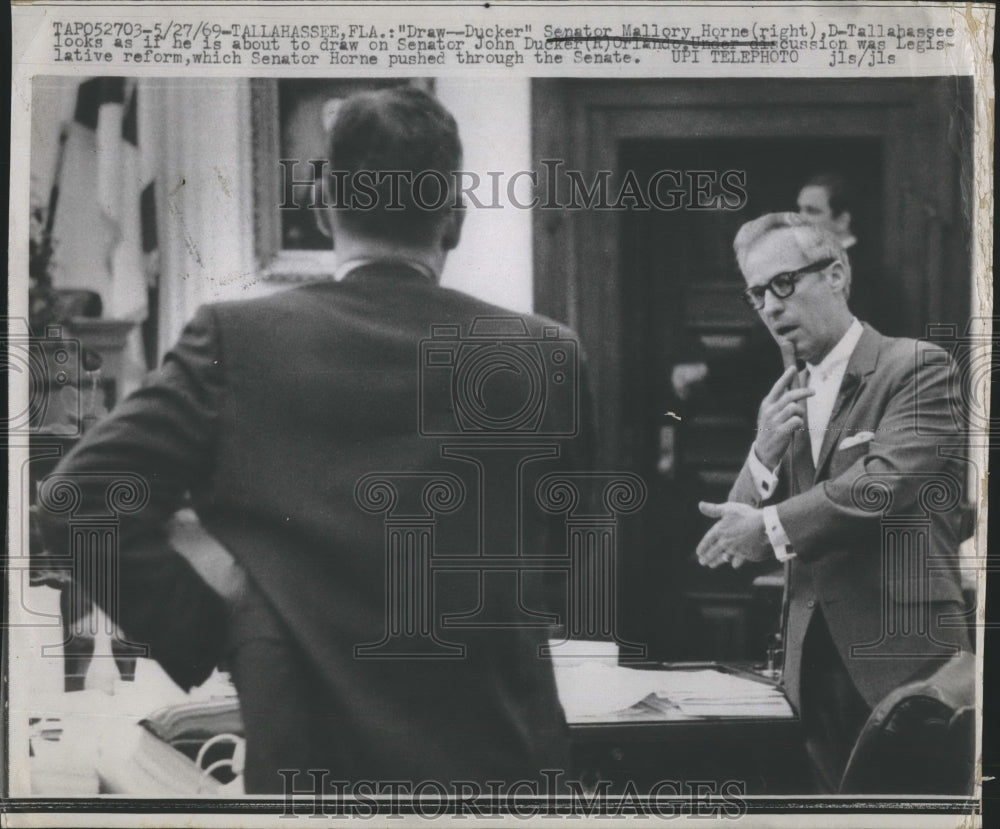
(839, 354)
(396, 263)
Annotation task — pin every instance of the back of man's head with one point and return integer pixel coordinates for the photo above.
(394, 152)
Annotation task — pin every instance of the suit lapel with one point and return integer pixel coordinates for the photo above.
(859, 367)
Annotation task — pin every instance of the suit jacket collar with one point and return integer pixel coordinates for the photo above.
(860, 366)
(365, 269)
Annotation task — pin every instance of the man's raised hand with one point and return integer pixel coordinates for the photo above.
(782, 412)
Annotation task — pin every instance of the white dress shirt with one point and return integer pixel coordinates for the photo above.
(825, 379)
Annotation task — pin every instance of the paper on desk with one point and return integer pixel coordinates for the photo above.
(590, 688)
(709, 684)
(776, 707)
(715, 694)
(593, 688)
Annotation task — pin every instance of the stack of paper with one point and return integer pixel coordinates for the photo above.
(87, 741)
(590, 689)
(715, 693)
(139, 764)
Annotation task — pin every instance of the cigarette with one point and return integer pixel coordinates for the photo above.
(789, 360)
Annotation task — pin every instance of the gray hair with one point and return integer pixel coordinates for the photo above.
(815, 242)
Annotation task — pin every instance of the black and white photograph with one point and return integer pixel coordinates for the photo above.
(499, 412)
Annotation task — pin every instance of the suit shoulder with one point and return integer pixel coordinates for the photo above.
(907, 352)
(536, 325)
(259, 306)
(548, 327)
(910, 366)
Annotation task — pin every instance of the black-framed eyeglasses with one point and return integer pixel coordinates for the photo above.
(782, 285)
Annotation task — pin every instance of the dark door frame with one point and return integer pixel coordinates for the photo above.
(927, 156)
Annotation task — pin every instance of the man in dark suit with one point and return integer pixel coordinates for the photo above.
(828, 200)
(825, 200)
(839, 484)
(342, 461)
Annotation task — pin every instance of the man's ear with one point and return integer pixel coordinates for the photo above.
(838, 276)
(452, 231)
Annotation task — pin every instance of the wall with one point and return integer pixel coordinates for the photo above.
(210, 227)
(200, 134)
(493, 260)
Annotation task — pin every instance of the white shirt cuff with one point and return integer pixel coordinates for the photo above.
(776, 534)
(764, 479)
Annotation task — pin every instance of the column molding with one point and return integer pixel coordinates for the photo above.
(204, 197)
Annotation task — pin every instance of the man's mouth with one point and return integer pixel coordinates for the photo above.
(785, 330)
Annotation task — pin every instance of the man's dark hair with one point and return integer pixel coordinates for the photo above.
(394, 150)
(839, 193)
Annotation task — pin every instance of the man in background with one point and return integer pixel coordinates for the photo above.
(839, 444)
(829, 201)
(826, 200)
(272, 414)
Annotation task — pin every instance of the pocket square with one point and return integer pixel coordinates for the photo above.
(854, 440)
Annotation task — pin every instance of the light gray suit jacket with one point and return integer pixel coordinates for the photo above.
(875, 524)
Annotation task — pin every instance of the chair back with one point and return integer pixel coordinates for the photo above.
(920, 739)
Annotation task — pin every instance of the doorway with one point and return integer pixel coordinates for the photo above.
(677, 363)
(690, 403)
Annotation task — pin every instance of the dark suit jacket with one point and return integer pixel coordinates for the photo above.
(875, 524)
(269, 413)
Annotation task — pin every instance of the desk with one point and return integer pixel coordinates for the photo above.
(635, 748)
(642, 751)
(765, 755)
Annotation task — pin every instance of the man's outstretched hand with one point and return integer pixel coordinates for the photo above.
(736, 537)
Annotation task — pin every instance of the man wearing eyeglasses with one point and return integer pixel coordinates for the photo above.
(866, 413)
